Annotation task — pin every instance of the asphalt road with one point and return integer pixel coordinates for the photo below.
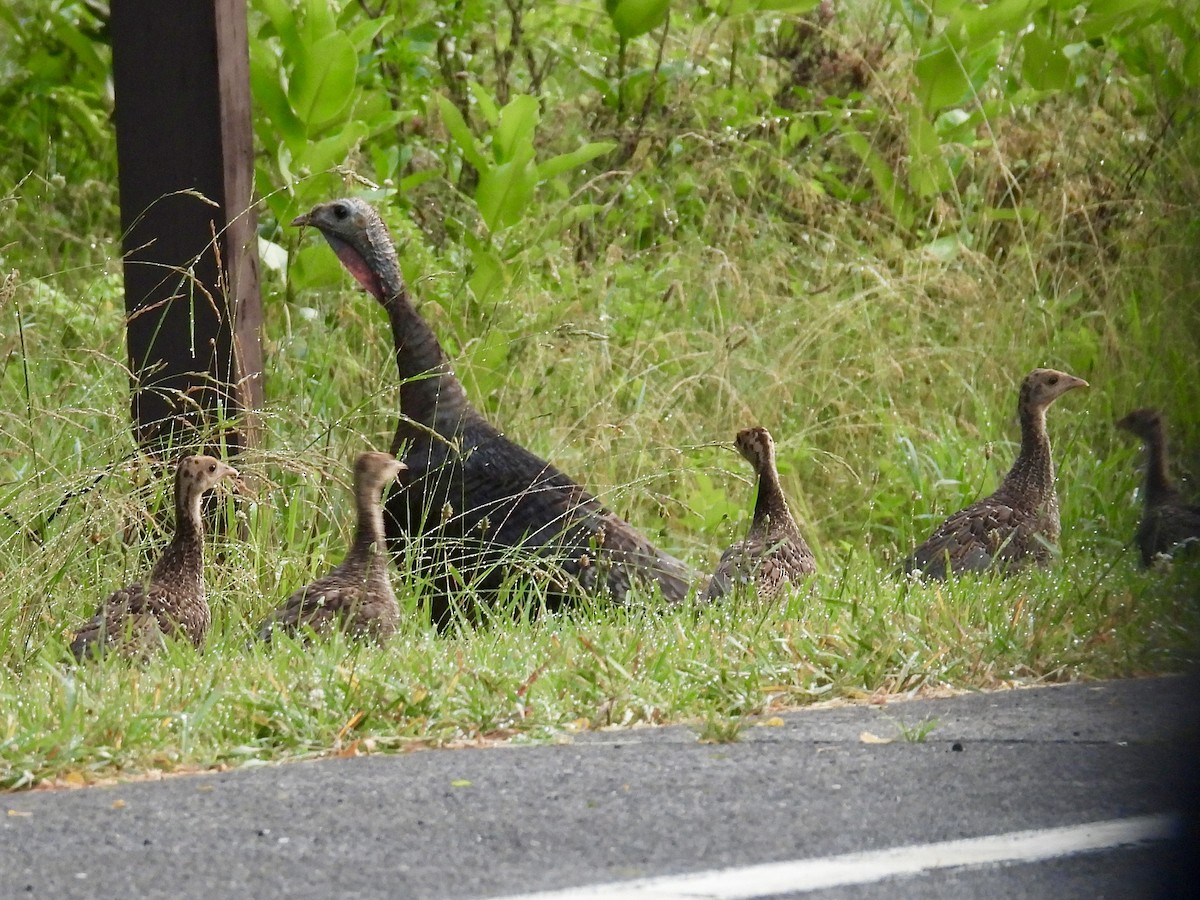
(606, 807)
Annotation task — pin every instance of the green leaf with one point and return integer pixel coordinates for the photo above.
(792, 7)
(1044, 66)
(633, 18)
(366, 31)
(941, 79)
(268, 94)
(416, 179)
(83, 46)
(319, 21)
(1105, 16)
(504, 191)
(318, 156)
(983, 23)
(487, 277)
(518, 121)
(322, 85)
(456, 126)
(927, 172)
(487, 106)
(944, 249)
(284, 23)
(565, 162)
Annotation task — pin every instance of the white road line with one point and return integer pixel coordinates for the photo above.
(801, 875)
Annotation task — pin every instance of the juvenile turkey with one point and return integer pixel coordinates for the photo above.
(773, 555)
(1167, 521)
(135, 618)
(1019, 523)
(357, 595)
(481, 505)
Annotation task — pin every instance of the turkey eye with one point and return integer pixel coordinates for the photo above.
(340, 211)
(212, 468)
(1053, 380)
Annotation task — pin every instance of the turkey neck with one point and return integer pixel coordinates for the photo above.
(770, 505)
(430, 394)
(186, 550)
(1158, 485)
(1032, 475)
(369, 531)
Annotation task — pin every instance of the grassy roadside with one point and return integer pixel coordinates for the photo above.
(873, 450)
(885, 364)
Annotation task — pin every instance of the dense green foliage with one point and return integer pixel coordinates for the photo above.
(636, 229)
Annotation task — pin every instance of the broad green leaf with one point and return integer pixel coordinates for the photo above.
(487, 106)
(982, 23)
(941, 79)
(83, 46)
(565, 162)
(456, 126)
(322, 85)
(927, 173)
(944, 249)
(319, 21)
(416, 179)
(504, 192)
(1105, 17)
(268, 94)
(366, 31)
(633, 18)
(1044, 66)
(284, 23)
(518, 121)
(283, 161)
(318, 156)
(792, 7)
(487, 277)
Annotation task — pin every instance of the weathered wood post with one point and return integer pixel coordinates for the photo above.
(185, 165)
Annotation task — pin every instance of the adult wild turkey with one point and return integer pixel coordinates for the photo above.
(1167, 521)
(482, 506)
(357, 595)
(773, 555)
(135, 618)
(1019, 523)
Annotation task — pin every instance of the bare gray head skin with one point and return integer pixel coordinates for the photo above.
(430, 394)
(1146, 423)
(361, 241)
(757, 447)
(1043, 386)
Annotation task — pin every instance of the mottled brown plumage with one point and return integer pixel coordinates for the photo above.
(357, 595)
(773, 555)
(1167, 521)
(136, 618)
(1018, 524)
(480, 506)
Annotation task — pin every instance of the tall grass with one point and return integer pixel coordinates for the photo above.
(709, 297)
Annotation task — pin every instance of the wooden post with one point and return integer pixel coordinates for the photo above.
(185, 166)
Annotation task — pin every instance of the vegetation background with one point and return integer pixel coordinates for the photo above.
(637, 227)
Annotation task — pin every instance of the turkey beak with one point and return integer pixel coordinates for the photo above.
(1076, 382)
(301, 221)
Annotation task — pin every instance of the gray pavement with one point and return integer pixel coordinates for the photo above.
(631, 804)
